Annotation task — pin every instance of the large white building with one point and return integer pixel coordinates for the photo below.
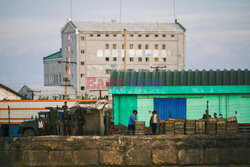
(98, 47)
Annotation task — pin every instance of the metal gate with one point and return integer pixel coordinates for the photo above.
(170, 107)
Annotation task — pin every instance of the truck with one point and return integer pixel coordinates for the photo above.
(30, 127)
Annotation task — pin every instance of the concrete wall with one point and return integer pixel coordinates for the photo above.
(216, 150)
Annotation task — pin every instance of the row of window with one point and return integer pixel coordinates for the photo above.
(139, 46)
(129, 35)
(139, 59)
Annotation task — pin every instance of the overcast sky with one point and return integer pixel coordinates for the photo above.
(218, 31)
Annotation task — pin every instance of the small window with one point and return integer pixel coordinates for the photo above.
(114, 59)
(131, 59)
(139, 46)
(122, 46)
(164, 59)
(106, 46)
(82, 75)
(163, 35)
(147, 59)
(82, 87)
(114, 46)
(91, 35)
(123, 35)
(147, 46)
(98, 35)
(147, 35)
(131, 35)
(82, 51)
(156, 35)
(114, 35)
(131, 46)
(106, 35)
(156, 59)
(163, 46)
(156, 46)
(139, 59)
(139, 35)
(108, 71)
(107, 58)
(82, 63)
(172, 35)
(123, 59)
(82, 38)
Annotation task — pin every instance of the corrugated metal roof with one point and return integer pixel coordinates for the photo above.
(51, 90)
(56, 55)
(117, 26)
(180, 78)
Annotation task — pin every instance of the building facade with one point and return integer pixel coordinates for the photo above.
(8, 94)
(180, 94)
(97, 48)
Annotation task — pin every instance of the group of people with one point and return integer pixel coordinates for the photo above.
(154, 122)
(44, 128)
(207, 116)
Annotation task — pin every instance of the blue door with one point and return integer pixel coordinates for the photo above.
(170, 107)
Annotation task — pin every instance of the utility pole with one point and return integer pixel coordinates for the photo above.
(125, 49)
(66, 75)
(9, 118)
(66, 78)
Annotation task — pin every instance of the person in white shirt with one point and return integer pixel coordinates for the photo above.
(154, 121)
(40, 126)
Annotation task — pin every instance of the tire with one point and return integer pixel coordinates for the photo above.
(29, 132)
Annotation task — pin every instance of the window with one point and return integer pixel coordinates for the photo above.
(172, 35)
(163, 35)
(114, 46)
(147, 46)
(122, 46)
(156, 46)
(139, 46)
(147, 59)
(156, 35)
(131, 59)
(156, 59)
(139, 35)
(82, 88)
(114, 59)
(106, 35)
(163, 46)
(82, 51)
(91, 35)
(98, 35)
(123, 35)
(139, 59)
(147, 35)
(108, 71)
(107, 58)
(82, 38)
(82, 63)
(164, 59)
(131, 46)
(131, 35)
(114, 35)
(123, 59)
(106, 46)
(82, 75)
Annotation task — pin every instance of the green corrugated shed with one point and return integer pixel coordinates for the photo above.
(180, 78)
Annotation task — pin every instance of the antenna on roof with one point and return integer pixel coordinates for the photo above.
(120, 11)
(71, 9)
(174, 9)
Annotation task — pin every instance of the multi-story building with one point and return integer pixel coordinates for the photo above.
(98, 47)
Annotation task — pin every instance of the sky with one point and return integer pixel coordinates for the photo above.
(217, 37)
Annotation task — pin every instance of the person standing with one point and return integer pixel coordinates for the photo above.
(154, 121)
(215, 115)
(131, 123)
(40, 127)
